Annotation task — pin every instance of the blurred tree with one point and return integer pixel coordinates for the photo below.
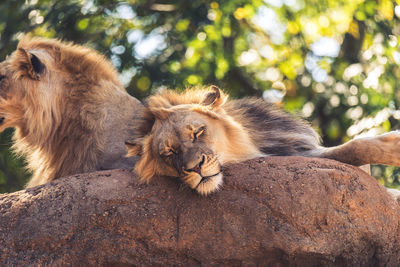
(336, 63)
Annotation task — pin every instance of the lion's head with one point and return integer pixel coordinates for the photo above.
(186, 136)
(60, 98)
(39, 76)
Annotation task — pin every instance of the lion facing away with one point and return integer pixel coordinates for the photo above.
(190, 135)
(68, 108)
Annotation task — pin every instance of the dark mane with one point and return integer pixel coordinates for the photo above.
(273, 131)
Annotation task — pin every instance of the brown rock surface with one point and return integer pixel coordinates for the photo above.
(275, 211)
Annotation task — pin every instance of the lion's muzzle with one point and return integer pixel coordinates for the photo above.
(197, 166)
(205, 175)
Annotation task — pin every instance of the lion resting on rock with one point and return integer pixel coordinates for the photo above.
(191, 134)
(68, 108)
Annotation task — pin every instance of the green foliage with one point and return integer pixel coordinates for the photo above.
(247, 47)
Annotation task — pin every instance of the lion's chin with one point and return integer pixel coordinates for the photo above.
(204, 185)
(209, 185)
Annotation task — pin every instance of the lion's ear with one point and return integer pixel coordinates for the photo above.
(132, 149)
(29, 64)
(215, 98)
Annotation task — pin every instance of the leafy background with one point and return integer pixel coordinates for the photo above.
(336, 63)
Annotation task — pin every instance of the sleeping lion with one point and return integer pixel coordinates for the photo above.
(190, 135)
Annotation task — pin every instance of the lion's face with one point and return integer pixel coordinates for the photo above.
(181, 141)
(184, 145)
(5, 78)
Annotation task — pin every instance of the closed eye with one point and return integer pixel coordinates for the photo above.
(168, 152)
(198, 132)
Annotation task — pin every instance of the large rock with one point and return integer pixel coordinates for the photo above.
(273, 211)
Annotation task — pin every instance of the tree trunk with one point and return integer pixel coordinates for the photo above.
(275, 211)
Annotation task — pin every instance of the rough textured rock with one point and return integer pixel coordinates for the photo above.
(275, 211)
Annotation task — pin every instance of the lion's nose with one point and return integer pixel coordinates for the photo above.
(197, 168)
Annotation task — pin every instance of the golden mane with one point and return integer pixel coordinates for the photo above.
(168, 98)
(197, 99)
(71, 58)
